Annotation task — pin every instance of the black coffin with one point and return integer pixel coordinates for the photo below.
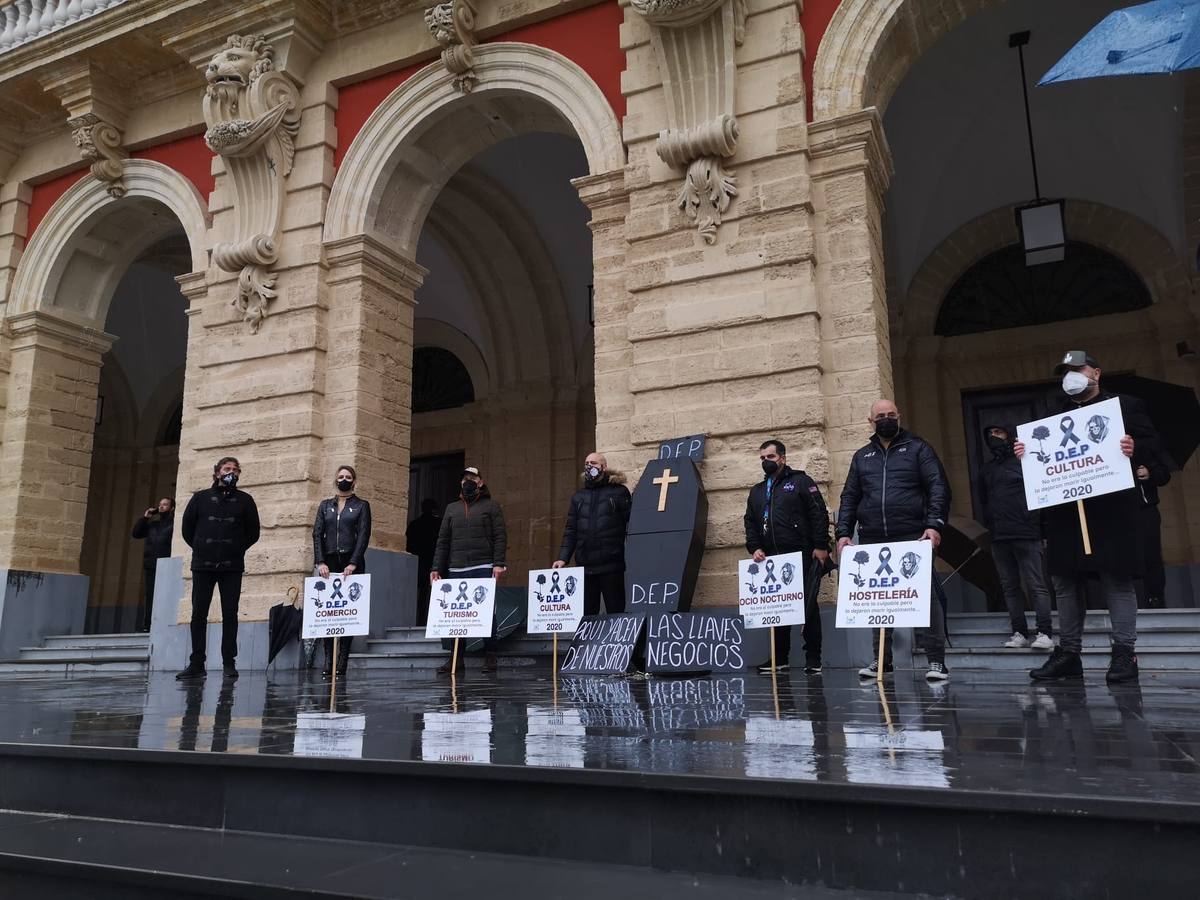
(665, 546)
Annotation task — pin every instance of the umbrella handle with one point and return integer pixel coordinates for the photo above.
(294, 595)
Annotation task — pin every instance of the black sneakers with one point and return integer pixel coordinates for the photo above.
(1061, 664)
(192, 673)
(1123, 665)
(229, 672)
(872, 671)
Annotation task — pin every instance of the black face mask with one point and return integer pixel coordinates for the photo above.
(887, 428)
(344, 486)
(770, 467)
(592, 473)
(1000, 447)
(470, 490)
(230, 480)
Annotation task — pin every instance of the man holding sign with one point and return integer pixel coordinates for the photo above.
(1079, 466)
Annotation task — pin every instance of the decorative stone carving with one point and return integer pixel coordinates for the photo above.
(452, 25)
(253, 116)
(99, 143)
(694, 42)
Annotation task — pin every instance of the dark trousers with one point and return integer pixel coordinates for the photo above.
(933, 638)
(1154, 583)
(610, 586)
(811, 629)
(337, 563)
(230, 586)
(148, 578)
(1018, 561)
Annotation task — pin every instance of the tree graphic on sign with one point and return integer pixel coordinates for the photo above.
(1040, 434)
(862, 557)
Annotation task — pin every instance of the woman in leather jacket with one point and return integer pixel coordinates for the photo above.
(340, 537)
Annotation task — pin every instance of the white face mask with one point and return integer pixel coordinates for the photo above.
(1075, 383)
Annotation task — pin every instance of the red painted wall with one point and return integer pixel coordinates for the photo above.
(189, 156)
(588, 37)
(814, 20)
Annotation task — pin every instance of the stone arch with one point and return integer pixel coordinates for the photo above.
(64, 245)
(870, 45)
(402, 143)
(1136, 243)
(435, 333)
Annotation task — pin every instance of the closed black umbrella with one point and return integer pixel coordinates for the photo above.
(283, 624)
(966, 548)
(1173, 408)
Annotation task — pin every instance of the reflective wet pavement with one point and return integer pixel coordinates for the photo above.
(978, 732)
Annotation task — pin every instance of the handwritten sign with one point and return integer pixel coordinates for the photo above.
(885, 585)
(691, 446)
(1074, 455)
(603, 645)
(771, 592)
(694, 642)
(555, 600)
(461, 607)
(336, 606)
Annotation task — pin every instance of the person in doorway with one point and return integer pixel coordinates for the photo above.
(220, 524)
(897, 491)
(1016, 539)
(156, 527)
(597, 520)
(1117, 556)
(341, 533)
(472, 543)
(786, 514)
(420, 539)
(1150, 477)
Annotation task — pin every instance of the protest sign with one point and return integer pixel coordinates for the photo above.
(603, 645)
(1074, 455)
(885, 585)
(555, 600)
(461, 608)
(771, 592)
(694, 642)
(336, 606)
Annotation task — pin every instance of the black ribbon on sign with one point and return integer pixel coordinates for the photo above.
(554, 588)
(337, 589)
(770, 576)
(884, 556)
(1067, 426)
(462, 592)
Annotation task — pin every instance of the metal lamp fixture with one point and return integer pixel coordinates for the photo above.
(1040, 223)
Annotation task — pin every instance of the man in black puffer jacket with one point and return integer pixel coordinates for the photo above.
(786, 514)
(897, 491)
(220, 524)
(595, 535)
(1016, 538)
(155, 527)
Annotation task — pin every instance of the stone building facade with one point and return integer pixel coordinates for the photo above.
(306, 169)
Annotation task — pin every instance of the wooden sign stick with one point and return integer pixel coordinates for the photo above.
(887, 717)
(454, 659)
(774, 681)
(1083, 529)
(333, 679)
(882, 645)
(554, 671)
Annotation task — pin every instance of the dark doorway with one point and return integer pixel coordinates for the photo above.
(436, 479)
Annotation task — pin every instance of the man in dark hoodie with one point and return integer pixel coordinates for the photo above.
(1016, 539)
(595, 535)
(155, 527)
(220, 524)
(472, 543)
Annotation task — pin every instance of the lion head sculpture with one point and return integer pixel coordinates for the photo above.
(239, 64)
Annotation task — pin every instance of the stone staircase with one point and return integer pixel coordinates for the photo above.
(408, 648)
(82, 654)
(1168, 639)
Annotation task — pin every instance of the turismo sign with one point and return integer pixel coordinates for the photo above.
(555, 600)
(771, 592)
(337, 606)
(885, 585)
(461, 608)
(1074, 455)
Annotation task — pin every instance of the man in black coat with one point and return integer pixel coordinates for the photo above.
(597, 521)
(155, 527)
(897, 490)
(1016, 539)
(785, 513)
(1150, 477)
(1117, 556)
(220, 524)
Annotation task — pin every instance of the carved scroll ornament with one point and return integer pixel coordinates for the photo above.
(100, 144)
(253, 116)
(452, 25)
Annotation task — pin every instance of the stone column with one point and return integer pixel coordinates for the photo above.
(47, 452)
(368, 376)
(850, 169)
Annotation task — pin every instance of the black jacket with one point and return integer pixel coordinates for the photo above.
(349, 532)
(220, 525)
(1160, 474)
(596, 523)
(1114, 526)
(795, 520)
(894, 493)
(471, 535)
(1002, 488)
(157, 535)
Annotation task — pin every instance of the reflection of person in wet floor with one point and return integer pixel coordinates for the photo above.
(341, 533)
(189, 726)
